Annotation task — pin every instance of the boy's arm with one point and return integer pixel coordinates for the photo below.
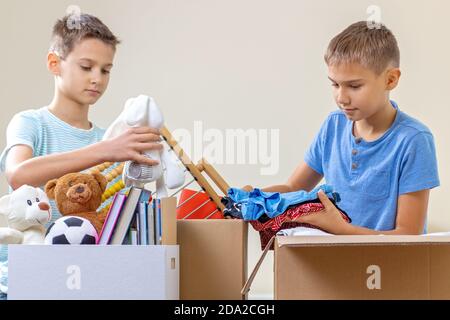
(22, 168)
(303, 178)
(411, 216)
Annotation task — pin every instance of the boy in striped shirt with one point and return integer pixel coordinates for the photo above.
(46, 143)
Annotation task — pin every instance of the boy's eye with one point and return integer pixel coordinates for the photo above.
(355, 86)
(335, 85)
(86, 68)
(106, 71)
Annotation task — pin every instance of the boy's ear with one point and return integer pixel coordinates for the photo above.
(50, 188)
(392, 78)
(53, 63)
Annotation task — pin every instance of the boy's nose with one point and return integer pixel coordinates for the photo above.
(343, 100)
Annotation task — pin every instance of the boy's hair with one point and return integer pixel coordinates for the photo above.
(373, 47)
(71, 29)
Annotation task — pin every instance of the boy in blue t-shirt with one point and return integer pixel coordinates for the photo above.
(381, 161)
(51, 141)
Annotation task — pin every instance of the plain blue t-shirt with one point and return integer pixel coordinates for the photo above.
(369, 176)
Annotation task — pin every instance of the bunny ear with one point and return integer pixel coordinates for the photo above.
(4, 204)
(155, 116)
(137, 113)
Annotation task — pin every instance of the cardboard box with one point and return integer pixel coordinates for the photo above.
(98, 271)
(361, 267)
(93, 272)
(213, 258)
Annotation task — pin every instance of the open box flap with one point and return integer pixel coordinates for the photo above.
(307, 241)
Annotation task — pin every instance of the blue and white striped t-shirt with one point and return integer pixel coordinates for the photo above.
(45, 134)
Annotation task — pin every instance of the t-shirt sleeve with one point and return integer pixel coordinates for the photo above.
(314, 154)
(419, 169)
(22, 129)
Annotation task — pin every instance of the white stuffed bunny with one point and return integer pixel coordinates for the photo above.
(143, 111)
(23, 214)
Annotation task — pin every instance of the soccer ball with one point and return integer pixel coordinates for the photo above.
(71, 230)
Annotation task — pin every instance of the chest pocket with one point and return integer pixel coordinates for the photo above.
(376, 184)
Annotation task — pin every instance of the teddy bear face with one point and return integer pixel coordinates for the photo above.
(25, 207)
(77, 192)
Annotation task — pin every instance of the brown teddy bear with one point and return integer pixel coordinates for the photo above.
(79, 194)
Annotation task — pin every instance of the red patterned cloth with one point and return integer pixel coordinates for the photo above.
(291, 214)
(284, 221)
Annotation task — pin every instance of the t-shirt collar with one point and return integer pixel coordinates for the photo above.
(361, 141)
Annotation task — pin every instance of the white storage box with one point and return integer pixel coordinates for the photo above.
(93, 272)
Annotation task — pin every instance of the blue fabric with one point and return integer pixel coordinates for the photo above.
(370, 176)
(256, 202)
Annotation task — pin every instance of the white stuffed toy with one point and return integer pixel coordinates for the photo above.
(23, 214)
(143, 111)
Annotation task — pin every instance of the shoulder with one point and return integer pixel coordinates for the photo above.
(335, 120)
(30, 118)
(30, 115)
(336, 116)
(411, 129)
(409, 123)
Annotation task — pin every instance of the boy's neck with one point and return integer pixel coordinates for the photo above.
(374, 127)
(70, 111)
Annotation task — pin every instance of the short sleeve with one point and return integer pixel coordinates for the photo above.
(314, 154)
(419, 169)
(22, 129)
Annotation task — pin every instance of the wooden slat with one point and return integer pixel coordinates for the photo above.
(187, 162)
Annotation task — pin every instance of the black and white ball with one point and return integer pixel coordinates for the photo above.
(71, 230)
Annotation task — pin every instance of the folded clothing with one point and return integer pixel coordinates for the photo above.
(293, 213)
(284, 221)
(232, 209)
(256, 203)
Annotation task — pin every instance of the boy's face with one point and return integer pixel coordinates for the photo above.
(358, 91)
(83, 75)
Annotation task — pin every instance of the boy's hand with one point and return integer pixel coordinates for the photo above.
(328, 219)
(247, 188)
(131, 144)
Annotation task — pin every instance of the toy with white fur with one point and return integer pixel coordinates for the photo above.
(23, 214)
(143, 111)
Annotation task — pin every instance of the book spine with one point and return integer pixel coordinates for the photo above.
(142, 223)
(138, 225)
(159, 226)
(111, 218)
(151, 222)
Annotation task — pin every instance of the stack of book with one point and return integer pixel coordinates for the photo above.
(133, 218)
